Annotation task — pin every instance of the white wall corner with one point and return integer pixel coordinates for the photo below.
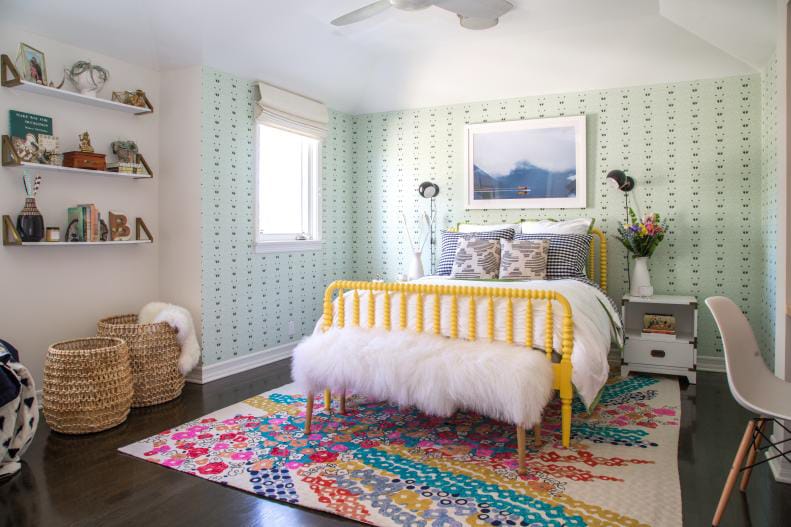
(203, 374)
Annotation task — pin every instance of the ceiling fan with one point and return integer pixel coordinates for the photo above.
(473, 14)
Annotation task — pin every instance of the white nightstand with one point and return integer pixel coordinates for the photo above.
(650, 354)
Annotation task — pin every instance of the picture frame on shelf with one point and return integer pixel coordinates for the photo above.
(31, 64)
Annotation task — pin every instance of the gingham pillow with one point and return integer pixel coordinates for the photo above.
(567, 256)
(476, 258)
(523, 259)
(450, 241)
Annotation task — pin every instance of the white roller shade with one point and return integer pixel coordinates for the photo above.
(288, 111)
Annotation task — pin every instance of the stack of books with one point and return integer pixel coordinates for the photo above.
(127, 168)
(658, 326)
(88, 223)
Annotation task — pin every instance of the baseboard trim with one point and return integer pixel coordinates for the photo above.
(781, 469)
(715, 364)
(212, 372)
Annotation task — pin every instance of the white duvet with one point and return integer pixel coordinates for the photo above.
(596, 323)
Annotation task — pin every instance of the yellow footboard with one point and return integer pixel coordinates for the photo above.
(458, 297)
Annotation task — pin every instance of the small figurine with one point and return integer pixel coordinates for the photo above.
(85, 143)
(126, 151)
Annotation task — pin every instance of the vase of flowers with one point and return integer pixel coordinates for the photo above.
(641, 238)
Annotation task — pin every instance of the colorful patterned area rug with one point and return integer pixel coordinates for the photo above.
(386, 466)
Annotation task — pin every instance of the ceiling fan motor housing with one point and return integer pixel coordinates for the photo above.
(411, 5)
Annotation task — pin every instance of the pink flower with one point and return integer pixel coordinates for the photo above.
(242, 456)
(220, 446)
(197, 452)
(183, 435)
(664, 411)
(293, 465)
(213, 468)
(172, 462)
(340, 448)
(324, 456)
(279, 451)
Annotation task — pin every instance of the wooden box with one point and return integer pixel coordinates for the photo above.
(84, 160)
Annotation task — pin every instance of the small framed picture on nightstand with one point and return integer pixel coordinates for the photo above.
(661, 334)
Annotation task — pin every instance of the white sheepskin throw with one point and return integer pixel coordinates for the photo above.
(180, 320)
(438, 375)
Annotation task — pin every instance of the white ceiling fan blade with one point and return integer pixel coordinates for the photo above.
(361, 14)
(488, 9)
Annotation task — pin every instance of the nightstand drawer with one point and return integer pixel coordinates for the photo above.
(659, 353)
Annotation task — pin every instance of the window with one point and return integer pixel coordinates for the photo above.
(287, 211)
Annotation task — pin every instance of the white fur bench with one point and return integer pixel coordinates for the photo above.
(435, 374)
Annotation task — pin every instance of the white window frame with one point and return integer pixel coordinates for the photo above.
(288, 243)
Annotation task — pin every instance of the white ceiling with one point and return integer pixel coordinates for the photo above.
(402, 60)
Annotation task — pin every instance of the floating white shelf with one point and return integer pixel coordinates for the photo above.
(70, 170)
(40, 89)
(69, 244)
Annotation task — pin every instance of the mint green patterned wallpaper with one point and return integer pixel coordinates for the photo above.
(766, 324)
(693, 147)
(249, 299)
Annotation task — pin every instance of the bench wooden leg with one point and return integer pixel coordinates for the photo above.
(309, 413)
(751, 457)
(520, 447)
(738, 461)
(343, 402)
(327, 400)
(537, 435)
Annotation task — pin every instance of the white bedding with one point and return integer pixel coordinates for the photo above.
(592, 311)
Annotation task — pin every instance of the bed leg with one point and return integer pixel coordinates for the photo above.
(565, 412)
(342, 402)
(327, 400)
(537, 435)
(309, 413)
(520, 448)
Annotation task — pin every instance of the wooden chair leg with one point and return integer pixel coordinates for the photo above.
(309, 413)
(751, 457)
(738, 461)
(520, 446)
(537, 435)
(327, 400)
(343, 402)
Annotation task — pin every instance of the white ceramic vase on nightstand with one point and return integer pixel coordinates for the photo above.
(641, 278)
(416, 266)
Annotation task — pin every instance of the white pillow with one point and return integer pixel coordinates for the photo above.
(576, 226)
(485, 227)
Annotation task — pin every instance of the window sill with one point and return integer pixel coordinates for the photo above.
(290, 246)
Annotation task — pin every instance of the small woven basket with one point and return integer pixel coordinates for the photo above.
(154, 356)
(87, 385)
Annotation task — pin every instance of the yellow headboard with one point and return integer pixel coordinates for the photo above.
(602, 278)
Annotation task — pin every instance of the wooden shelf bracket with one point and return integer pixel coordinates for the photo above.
(8, 72)
(140, 225)
(10, 157)
(10, 234)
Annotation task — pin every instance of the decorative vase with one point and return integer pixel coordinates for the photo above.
(641, 278)
(416, 266)
(30, 222)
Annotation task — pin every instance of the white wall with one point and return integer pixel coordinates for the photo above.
(56, 293)
(180, 189)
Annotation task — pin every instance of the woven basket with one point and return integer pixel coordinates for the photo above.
(87, 385)
(154, 356)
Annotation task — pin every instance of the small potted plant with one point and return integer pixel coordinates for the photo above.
(641, 238)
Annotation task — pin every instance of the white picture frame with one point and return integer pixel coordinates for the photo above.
(560, 152)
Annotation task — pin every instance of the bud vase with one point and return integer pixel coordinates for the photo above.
(641, 278)
(416, 266)
(30, 222)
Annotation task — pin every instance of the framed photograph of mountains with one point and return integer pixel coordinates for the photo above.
(529, 164)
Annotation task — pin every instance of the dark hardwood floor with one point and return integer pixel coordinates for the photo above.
(69, 480)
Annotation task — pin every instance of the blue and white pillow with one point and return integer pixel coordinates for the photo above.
(567, 256)
(450, 242)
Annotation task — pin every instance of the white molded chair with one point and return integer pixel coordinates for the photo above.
(754, 387)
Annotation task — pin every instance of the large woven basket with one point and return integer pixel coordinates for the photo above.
(87, 385)
(154, 356)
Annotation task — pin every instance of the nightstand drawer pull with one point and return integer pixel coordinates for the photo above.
(658, 353)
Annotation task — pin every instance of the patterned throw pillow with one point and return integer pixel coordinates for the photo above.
(450, 240)
(523, 259)
(567, 255)
(476, 258)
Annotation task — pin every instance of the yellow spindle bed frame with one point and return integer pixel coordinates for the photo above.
(562, 370)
